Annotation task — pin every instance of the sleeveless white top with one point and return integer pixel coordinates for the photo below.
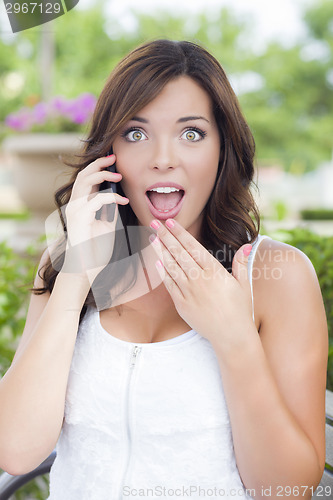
(145, 420)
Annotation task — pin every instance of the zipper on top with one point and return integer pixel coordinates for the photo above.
(133, 359)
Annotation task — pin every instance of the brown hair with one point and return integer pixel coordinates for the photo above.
(231, 217)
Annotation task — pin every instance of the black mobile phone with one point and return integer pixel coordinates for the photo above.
(110, 187)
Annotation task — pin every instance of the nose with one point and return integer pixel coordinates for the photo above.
(164, 155)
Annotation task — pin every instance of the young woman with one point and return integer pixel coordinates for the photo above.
(192, 363)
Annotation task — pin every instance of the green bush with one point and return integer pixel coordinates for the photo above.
(319, 249)
(16, 277)
(316, 214)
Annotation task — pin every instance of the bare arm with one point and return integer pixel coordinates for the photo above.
(275, 383)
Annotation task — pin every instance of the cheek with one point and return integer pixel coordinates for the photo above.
(205, 167)
(122, 163)
(129, 162)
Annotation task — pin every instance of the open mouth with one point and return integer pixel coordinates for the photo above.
(165, 202)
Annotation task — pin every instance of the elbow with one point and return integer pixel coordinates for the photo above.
(12, 469)
(18, 463)
(319, 474)
(12, 466)
(15, 466)
(317, 466)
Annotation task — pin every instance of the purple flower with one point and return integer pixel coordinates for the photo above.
(79, 117)
(20, 121)
(57, 113)
(87, 101)
(57, 104)
(39, 113)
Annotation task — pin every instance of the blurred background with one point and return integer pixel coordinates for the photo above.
(278, 56)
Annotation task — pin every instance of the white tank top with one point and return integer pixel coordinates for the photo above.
(145, 420)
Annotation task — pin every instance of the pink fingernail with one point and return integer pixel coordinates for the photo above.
(247, 250)
(155, 224)
(170, 223)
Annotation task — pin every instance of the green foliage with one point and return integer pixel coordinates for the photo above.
(291, 116)
(319, 20)
(16, 278)
(316, 214)
(290, 113)
(319, 249)
(281, 210)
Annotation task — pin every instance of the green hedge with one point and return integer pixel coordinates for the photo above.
(16, 277)
(316, 214)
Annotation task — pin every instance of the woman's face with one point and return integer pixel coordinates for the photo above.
(172, 142)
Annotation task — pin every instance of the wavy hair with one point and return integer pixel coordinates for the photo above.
(231, 217)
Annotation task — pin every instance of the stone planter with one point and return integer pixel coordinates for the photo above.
(38, 172)
(37, 167)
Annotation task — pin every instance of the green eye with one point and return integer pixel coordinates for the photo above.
(137, 136)
(194, 134)
(134, 135)
(190, 135)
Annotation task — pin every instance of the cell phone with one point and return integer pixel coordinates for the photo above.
(111, 187)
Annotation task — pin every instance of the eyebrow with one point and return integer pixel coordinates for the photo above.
(181, 120)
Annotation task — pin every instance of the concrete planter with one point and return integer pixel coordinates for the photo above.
(38, 172)
(37, 167)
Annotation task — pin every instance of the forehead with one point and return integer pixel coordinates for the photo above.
(181, 97)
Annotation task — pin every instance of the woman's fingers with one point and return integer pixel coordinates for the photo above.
(87, 208)
(240, 263)
(101, 199)
(184, 248)
(170, 269)
(93, 175)
(97, 178)
(98, 164)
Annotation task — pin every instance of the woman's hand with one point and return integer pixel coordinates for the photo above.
(212, 301)
(90, 241)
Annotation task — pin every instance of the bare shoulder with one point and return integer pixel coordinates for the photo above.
(282, 260)
(282, 276)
